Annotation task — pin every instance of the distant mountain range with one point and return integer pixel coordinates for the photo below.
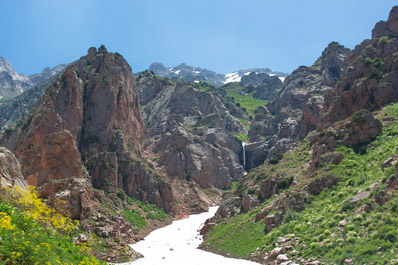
(188, 73)
(13, 83)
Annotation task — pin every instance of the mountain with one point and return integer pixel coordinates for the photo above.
(81, 145)
(331, 199)
(193, 131)
(13, 84)
(294, 112)
(191, 74)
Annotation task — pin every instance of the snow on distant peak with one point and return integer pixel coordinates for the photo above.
(177, 72)
(247, 73)
(282, 78)
(232, 77)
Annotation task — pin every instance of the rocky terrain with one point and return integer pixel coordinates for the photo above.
(13, 84)
(126, 155)
(15, 109)
(321, 202)
(295, 111)
(81, 146)
(189, 74)
(192, 132)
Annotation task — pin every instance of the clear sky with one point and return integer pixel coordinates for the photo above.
(220, 35)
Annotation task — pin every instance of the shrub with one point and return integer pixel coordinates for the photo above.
(29, 232)
(276, 158)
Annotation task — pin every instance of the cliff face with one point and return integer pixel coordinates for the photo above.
(295, 111)
(370, 76)
(86, 132)
(192, 132)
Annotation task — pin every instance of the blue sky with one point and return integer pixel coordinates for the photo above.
(220, 35)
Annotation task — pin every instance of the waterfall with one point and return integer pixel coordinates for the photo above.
(244, 155)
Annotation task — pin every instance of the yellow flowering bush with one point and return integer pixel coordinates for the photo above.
(30, 203)
(30, 232)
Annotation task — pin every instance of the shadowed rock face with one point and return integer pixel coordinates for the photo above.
(89, 116)
(192, 132)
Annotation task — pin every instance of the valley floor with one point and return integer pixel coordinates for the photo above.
(178, 244)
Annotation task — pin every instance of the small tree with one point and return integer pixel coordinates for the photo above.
(102, 49)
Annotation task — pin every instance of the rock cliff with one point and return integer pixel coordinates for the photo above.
(295, 111)
(369, 78)
(88, 117)
(192, 132)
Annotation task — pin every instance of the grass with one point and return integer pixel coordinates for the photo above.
(245, 123)
(242, 137)
(367, 237)
(249, 103)
(138, 213)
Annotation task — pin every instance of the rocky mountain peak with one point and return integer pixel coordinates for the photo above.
(332, 62)
(87, 126)
(389, 27)
(157, 68)
(13, 83)
(5, 66)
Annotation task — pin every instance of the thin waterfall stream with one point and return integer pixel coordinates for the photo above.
(244, 154)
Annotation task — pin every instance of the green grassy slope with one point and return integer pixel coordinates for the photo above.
(329, 228)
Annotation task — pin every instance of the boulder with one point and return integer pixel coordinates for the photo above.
(10, 170)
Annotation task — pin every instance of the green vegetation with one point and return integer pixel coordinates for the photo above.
(135, 218)
(247, 102)
(276, 158)
(139, 213)
(33, 233)
(245, 123)
(203, 86)
(241, 137)
(330, 228)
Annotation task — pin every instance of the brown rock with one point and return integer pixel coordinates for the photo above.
(10, 170)
(273, 220)
(388, 28)
(89, 116)
(320, 183)
(268, 187)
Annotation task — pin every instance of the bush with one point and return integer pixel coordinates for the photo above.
(276, 158)
(30, 232)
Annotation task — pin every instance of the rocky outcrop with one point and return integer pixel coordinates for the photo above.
(360, 129)
(13, 84)
(88, 117)
(369, 78)
(10, 170)
(387, 28)
(192, 132)
(261, 85)
(295, 111)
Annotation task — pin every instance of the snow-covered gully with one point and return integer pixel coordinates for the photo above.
(177, 244)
